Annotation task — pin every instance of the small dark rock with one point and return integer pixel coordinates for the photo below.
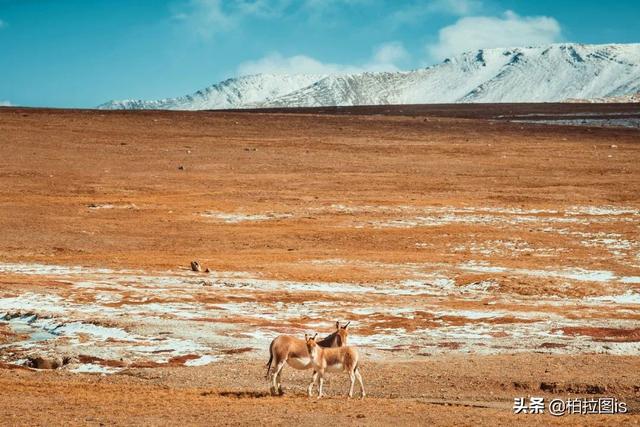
(521, 386)
(548, 387)
(195, 266)
(596, 389)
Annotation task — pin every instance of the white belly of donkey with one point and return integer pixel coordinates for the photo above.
(299, 362)
(335, 368)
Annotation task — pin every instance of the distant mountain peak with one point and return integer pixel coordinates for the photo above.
(551, 73)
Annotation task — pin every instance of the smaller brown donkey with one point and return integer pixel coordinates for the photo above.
(332, 359)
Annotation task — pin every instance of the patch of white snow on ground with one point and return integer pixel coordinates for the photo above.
(628, 297)
(201, 361)
(234, 218)
(89, 368)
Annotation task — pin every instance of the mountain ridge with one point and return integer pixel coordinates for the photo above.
(558, 72)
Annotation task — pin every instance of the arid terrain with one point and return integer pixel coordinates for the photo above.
(481, 253)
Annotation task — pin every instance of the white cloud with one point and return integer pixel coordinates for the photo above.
(390, 53)
(456, 7)
(275, 63)
(477, 32)
(384, 58)
(209, 17)
(263, 8)
(5, 104)
(206, 17)
(327, 4)
(413, 13)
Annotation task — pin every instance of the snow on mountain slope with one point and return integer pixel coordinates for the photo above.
(551, 73)
(232, 93)
(633, 97)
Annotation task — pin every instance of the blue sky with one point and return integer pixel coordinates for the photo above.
(80, 53)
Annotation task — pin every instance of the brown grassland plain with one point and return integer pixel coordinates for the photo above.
(332, 197)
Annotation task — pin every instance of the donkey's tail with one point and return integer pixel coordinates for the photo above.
(270, 359)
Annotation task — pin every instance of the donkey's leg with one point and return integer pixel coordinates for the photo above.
(276, 386)
(359, 377)
(271, 375)
(352, 377)
(279, 380)
(320, 394)
(313, 381)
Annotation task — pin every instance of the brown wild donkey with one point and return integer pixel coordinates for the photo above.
(333, 359)
(293, 351)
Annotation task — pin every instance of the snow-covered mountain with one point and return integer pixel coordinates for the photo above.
(551, 73)
(231, 93)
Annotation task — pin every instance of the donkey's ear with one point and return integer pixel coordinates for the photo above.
(306, 337)
(314, 337)
(345, 326)
(337, 324)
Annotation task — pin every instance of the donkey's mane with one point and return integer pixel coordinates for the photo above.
(328, 340)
